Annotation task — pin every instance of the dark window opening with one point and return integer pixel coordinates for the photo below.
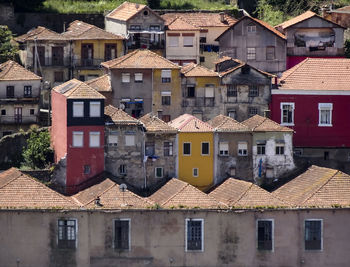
(194, 235)
(264, 235)
(121, 236)
(313, 237)
(27, 91)
(10, 91)
(66, 233)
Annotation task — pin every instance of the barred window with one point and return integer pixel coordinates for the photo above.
(194, 235)
(265, 234)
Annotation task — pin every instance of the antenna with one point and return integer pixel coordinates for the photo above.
(122, 106)
(122, 188)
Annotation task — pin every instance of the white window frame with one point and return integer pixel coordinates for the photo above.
(209, 92)
(208, 148)
(91, 139)
(155, 172)
(327, 107)
(272, 233)
(279, 145)
(166, 76)
(113, 135)
(246, 149)
(173, 41)
(313, 250)
(125, 77)
(76, 229)
(183, 148)
(193, 169)
(225, 150)
(292, 104)
(80, 133)
(125, 169)
(95, 109)
(78, 109)
(128, 140)
(138, 77)
(188, 41)
(251, 28)
(202, 234)
(251, 53)
(129, 234)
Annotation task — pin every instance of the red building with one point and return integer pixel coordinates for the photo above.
(77, 133)
(313, 98)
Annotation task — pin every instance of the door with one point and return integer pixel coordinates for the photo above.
(18, 115)
(110, 51)
(57, 56)
(40, 55)
(87, 54)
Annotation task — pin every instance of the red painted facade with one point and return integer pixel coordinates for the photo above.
(308, 133)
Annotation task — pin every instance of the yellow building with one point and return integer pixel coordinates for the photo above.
(90, 47)
(195, 151)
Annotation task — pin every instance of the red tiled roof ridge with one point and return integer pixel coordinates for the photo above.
(120, 59)
(17, 171)
(184, 20)
(242, 195)
(226, 119)
(121, 6)
(178, 192)
(293, 69)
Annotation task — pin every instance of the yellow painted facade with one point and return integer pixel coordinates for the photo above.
(204, 163)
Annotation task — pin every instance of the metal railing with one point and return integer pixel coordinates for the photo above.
(17, 119)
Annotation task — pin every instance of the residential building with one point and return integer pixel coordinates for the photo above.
(272, 149)
(200, 91)
(77, 133)
(255, 42)
(246, 90)
(142, 27)
(103, 85)
(339, 16)
(312, 99)
(310, 35)
(90, 47)
(144, 82)
(19, 98)
(195, 143)
(211, 25)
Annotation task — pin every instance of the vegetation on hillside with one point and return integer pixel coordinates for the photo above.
(8, 48)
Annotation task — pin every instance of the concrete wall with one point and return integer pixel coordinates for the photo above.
(116, 26)
(180, 52)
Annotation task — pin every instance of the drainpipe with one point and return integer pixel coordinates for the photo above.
(143, 157)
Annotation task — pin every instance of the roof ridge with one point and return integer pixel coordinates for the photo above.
(12, 178)
(243, 194)
(163, 58)
(295, 68)
(183, 188)
(9, 63)
(104, 191)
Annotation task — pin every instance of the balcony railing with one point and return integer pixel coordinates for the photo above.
(19, 100)
(50, 62)
(17, 119)
(199, 102)
(88, 62)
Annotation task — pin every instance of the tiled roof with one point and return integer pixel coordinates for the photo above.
(258, 123)
(18, 190)
(195, 70)
(317, 187)
(77, 89)
(101, 84)
(189, 123)
(178, 194)
(200, 19)
(110, 197)
(140, 59)
(238, 193)
(153, 124)
(118, 116)
(40, 33)
(79, 30)
(179, 24)
(223, 59)
(345, 9)
(222, 123)
(12, 71)
(125, 11)
(318, 74)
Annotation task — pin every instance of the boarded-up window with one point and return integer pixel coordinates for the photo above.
(129, 140)
(95, 109)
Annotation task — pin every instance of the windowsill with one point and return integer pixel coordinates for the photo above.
(138, 81)
(223, 155)
(186, 155)
(325, 125)
(188, 45)
(287, 124)
(125, 82)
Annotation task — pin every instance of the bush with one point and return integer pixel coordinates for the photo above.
(347, 48)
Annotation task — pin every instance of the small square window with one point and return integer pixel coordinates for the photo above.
(94, 139)
(87, 169)
(252, 111)
(231, 90)
(78, 139)
(31, 111)
(67, 233)
(313, 234)
(129, 140)
(251, 54)
(251, 28)
(261, 149)
(279, 149)
(195, 172)
(138, 77)
(242, 149)
(122, 234)
(194, 235)
(188, 41)
(3, 112)
(95, 109)
(270, 53)
(122, 169)
(125, 77)
(265, 234)
(78, 109)
(223, 148)
(325, 114)
(187, 149)
(173, 41)
(166, 100)
(166, 118)
(158, 172)
(253, 91)
(27, 91)
(205, 148)
(166, 76)
(113, 138)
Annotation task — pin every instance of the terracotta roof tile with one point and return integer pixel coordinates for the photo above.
(195, 70)
(258, 123)
(154, 125)
(140, 59)
(200, 19)
(40, 33)
(77, 89)
(222, 123)
(179, 24)
(189, 123)
(101, 84)
(118, 116)
(79, 30)
(125, 11)
(318, 74)
(345, 9)
(18, 191)
(12, 71)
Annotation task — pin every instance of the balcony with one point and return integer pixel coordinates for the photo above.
(19, 100)
(49, 62)
(17, 119)
(87, 63)
(198, 102)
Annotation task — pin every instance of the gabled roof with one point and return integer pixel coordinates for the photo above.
(118, 116)
(77, 89)
(40, 33)
(110, 197)
(79, 30)
(189, 123)
(317, 187)
(304, 16)
(240, 64)
(318, 74)
(261, 23)
(155, 125)
(345, 9)
(178, 194)
(238, 193)
(200, 19)
(222, 123)
(179, 24)
(195, 70)
(258, 123)
(18, 190)
(101, 84)
(140, 59)
(12, 71)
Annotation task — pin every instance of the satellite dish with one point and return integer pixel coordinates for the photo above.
(122, 106)
(122, 187)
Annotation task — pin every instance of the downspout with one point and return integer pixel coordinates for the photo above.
(143, 157)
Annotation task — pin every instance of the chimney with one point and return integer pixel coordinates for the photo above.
(222, 17)
(267, 113)
(137, 6)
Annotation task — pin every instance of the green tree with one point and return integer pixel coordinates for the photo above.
(8, 48)
(38, 152)
(347, 48)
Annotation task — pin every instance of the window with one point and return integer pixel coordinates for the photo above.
(251, 53)
(223, 148)
(187, 148)
(173, 41)
(135, 27)
(191, 91)
(168, 148)
(94, 139)
(265, 234)
(58, 76)
(166, 98)
(138, 77)
(158, 172)
(87, 169)
(125, 77)
(28, 91)
(313, 234)
(270, 53)
(194, 235)
(154, 27)
(251, 28)
(253, 91)
(205, 148)
(3, 112)
(261, 146)
(149, 149)
(110, 51)
(31, 111)
(325, 114)
(166, 118)
(67, 233)
(252, 111)
(195, 172)
(279, 149)
(242, 149)
(188, 41)
(166, 76)
(287, 114)
(78, 109)
(232, 113)
(129, 140)
(122, 234)
(122, 169)
(95, 109)
(78, 139)
(113, 138)
(10, 91)
(231, 90)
